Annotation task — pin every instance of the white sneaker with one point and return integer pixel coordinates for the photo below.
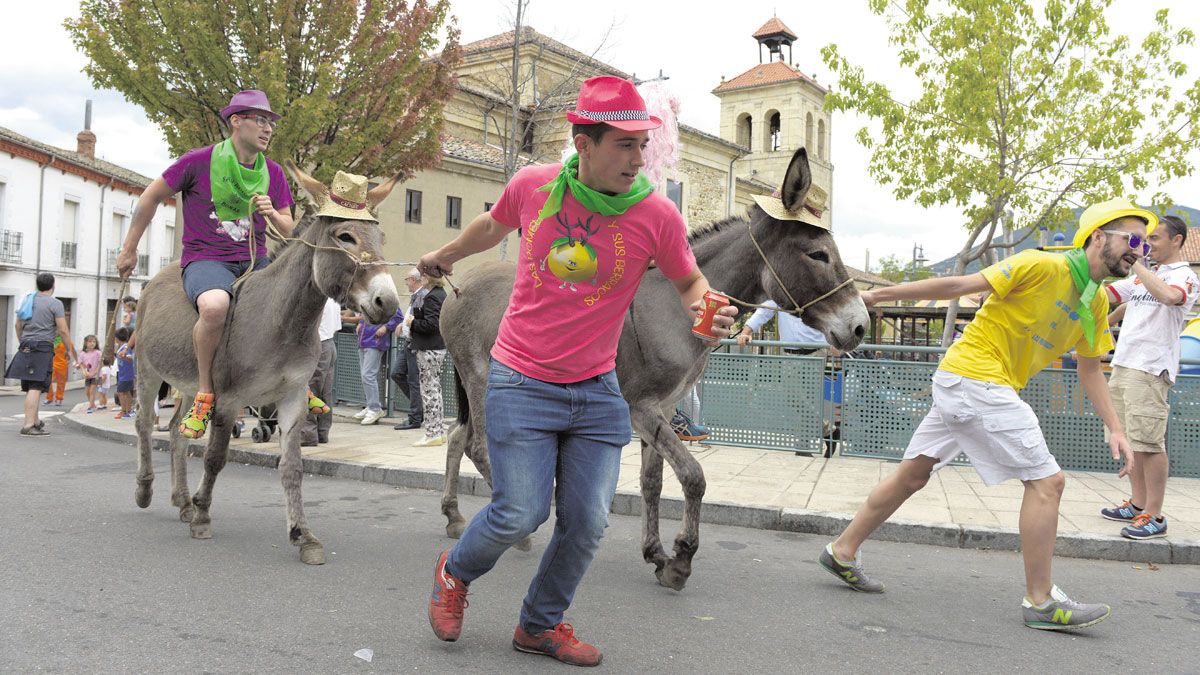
(428, 441)
(361, 413)
(371, 417)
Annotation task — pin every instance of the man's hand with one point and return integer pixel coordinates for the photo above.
(126, 261)
(868, 297)
(435, 264)
(745, 337)
(381, 331)
(722, 320)
(1120, 446)
(264, 207)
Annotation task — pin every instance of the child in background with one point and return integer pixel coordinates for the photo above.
(126, 374)
(89, 362)
(104, 381)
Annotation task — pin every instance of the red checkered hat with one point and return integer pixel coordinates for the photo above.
(613, 101)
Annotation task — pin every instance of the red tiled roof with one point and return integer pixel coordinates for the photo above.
(528, 34)
(867, 277)
(474, 151)
(1191, 247)
(764, 74)
(774, 27)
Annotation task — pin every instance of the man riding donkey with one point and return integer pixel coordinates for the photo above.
(554, 410)
(229, 189)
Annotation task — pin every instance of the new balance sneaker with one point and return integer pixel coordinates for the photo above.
(1144, 526)
(1125, 512)
(852, 573)
(447, 602)
(558, 643)
(686, 429)
(1063, 613)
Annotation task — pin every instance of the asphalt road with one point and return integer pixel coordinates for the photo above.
(89, 582)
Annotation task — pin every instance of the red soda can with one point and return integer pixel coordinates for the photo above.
(703, 327)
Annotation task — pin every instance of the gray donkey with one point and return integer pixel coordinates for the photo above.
(658, 359)
(268, 354)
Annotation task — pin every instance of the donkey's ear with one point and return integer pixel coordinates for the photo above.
(380, 192)
(313, 186)
(796, 181)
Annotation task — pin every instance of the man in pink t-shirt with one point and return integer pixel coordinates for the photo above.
(589, 229)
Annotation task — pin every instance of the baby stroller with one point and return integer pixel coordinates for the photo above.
(267, 423)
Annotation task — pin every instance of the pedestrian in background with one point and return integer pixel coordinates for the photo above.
(424, 326)
(89, 364)
(58, 378)
(36, 326)
(405, 371)
(316, 425)
(126, 374)
(373, 342)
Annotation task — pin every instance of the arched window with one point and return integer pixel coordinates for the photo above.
(821, 141)
(808, 132)
(744, 129)
(772, 134)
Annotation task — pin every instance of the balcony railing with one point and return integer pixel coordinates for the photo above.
(10, 246)
(110, 267)
(67, 254)
(143, 265)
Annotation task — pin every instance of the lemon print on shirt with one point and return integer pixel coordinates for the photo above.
(571, 258)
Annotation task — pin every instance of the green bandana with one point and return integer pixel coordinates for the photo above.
(233, 184)
(596, 202)
(1078, 264)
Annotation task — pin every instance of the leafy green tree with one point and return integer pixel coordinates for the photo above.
(360, 83)
(896, 270)
(1023, 105)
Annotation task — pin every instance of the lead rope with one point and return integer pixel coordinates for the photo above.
(799, 310)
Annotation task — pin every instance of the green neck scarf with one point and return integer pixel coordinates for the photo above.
(233, 185)
(596, 202)
(1081, 275)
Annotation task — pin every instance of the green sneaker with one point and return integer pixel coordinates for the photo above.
(1063, 613)
(851, 573)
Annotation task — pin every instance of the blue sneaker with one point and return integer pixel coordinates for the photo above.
(1145, 527)
(1126, 512)
(686, 429)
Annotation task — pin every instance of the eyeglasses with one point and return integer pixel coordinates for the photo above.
(263, 122)
(1135, 242)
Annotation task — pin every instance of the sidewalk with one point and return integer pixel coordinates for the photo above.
(763, 489)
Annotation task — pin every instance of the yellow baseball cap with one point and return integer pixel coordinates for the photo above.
(1099, 215)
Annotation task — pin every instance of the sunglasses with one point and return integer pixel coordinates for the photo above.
(1135, 242)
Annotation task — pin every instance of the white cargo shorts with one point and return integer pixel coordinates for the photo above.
(988, 423)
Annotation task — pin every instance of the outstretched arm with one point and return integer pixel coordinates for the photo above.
(480, 234)
(156, 193)
(943, 288)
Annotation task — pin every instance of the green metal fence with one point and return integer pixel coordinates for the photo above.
(347, 380)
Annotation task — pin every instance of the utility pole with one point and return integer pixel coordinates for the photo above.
(918, 257)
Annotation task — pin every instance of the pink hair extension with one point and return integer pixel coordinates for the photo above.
(662, 154)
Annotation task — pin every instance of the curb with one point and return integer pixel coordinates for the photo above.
(805, 521)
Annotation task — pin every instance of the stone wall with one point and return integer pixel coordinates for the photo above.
(705, 191)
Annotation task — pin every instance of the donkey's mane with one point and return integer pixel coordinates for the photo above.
(702, 232)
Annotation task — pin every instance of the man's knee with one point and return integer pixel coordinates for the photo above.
(1050, 487)
(213, 306)
(914, 474)
(514, 522)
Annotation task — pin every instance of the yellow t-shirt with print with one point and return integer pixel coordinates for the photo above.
(1027, 323)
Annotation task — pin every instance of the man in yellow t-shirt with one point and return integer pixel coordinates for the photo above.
(1040, 306)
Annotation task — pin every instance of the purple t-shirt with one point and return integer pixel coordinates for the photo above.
(204, 238)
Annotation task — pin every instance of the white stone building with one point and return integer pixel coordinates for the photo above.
(66, 212)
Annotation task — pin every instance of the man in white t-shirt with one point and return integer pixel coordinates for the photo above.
(316, 425)
(1145, 366)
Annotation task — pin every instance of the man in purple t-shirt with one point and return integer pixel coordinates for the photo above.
(229, 192)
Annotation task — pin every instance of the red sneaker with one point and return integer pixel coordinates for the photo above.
(560, 643)
(447, 603)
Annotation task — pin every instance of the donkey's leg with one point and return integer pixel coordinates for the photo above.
(660, 438)
(180, 495)
(147, 389)
(460, 439)
(652, 472)
(215, 454)
(290, 412)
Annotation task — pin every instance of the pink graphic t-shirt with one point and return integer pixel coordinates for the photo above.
(577, 273)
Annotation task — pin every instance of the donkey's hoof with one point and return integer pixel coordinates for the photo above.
(525, 544)
(312, 553)
(674, 575)
(186, 513)
(455, 529)
(201, 530)
(142, 494)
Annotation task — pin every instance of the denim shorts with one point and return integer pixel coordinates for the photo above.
(206, 275)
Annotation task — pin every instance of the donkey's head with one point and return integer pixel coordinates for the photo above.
(347, 245)
(802, 252)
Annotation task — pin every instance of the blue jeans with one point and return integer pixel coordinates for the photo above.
(540, 433)
(368, 366)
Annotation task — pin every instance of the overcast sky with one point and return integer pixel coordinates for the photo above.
(42, 90)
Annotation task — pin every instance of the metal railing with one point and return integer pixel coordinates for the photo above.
(110, 267)
(143, 265)
(164, 261)
(10, 246)
(67, 252)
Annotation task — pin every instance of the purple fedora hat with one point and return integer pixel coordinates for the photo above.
(250, 99)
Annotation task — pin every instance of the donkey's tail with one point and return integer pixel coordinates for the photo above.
(464, 405)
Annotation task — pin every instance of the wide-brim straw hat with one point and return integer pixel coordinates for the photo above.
(347, 198)
(1098, 215)
(809, 213)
